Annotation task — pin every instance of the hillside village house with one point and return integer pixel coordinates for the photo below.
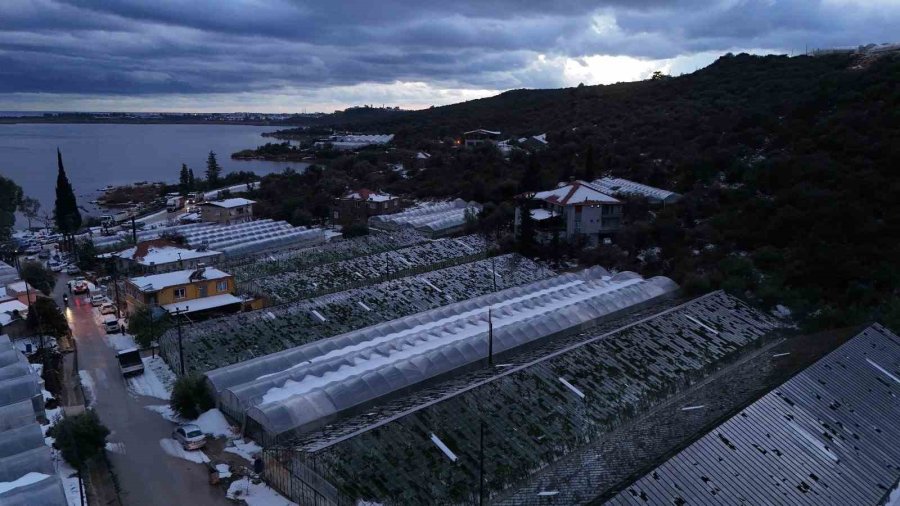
(162, 255)
(12, 318)
(358, 206)
(21, 291)
(578, 209)
(481, 136)
(227, 211)
(203, 290)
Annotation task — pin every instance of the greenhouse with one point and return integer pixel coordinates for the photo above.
(27, 472)
(827, 436)
(304, 386)
(228, 340)
(433, 218)
(233, 240)
(527, 415)
(368, 269)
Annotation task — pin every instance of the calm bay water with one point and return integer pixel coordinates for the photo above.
(98, 155)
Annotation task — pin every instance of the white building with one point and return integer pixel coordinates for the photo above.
(578, 209)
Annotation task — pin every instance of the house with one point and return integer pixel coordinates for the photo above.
(623, 187)
(8, 274)
(162, 255)
(201, 290)
(357, 207)
(12, 317)
(480, 136)
(21, 291)
(574, 210)
(227, 211)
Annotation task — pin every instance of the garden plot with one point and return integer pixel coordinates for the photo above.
(290, 286)
(223, 341)
(297, 259)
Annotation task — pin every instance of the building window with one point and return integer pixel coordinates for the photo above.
(222, 286)
(179, 293)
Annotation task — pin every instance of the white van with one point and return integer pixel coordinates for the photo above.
(111, 324)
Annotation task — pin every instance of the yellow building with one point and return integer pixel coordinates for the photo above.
(194, 290)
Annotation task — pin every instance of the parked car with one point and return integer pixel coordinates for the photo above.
(98, 300)
(130, 362)
(72, 269)
(107, 308)
(189, 436)
(111, 324)
(33, 250)
(44, 254)
(55, 267)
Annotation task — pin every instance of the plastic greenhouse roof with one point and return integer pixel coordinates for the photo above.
(46, 492)
(531, 418)
(826, 436)
(301, 386)
(619, 186)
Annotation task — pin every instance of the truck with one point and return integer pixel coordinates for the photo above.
(174, 204)
(130, 362)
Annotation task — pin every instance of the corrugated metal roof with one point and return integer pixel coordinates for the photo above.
(827, 436)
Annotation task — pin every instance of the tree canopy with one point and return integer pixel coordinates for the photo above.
(80, 438)
(213, 170)
(66, 213)
(10, 201)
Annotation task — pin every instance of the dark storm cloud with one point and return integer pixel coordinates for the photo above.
(131, 47)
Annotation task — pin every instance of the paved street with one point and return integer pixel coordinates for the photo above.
(147, 475)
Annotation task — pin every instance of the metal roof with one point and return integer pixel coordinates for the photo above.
(827, 436)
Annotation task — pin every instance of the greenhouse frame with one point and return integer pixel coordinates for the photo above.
(22, 446)
(306, 386)
(826, 436)
(523, 418)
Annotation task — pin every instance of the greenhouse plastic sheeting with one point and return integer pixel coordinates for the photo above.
(46, 492)
(300, 386)
(16, 415)
(36, 460)
(16, 389)
(20, 439)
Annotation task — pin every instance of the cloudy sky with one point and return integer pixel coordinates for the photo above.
(320, 55)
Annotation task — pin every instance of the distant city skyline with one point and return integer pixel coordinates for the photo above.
(284, 56)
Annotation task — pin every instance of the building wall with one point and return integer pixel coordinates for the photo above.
(215, 214)
(134, 298)
(137, 269)
(350, 211)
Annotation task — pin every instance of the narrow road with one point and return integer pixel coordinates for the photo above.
(147, 475)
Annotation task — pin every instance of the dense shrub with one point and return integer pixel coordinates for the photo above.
(190, 397)
(79, 438)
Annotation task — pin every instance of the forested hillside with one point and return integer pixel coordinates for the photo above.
(789, 168)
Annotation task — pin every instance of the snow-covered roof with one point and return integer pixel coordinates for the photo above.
(18, 287)
(482, 131)
(421, 155)
(157, 282)
(369, 196)
(578, 192)
(6, 309)
(619, 186)
(204, 303)
(230, 203)
(153, 254)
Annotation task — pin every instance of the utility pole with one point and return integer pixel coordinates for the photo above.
(490, 338)
(133, 229)
(481, 466)
(494, 271)
(177, 314)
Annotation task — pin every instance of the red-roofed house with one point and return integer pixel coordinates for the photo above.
(356, 207)
(578, 209)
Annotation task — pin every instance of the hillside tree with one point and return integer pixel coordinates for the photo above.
(589, 170)
(10, 201)
(30, 207)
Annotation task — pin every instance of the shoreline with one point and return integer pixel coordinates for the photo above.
(24, 120)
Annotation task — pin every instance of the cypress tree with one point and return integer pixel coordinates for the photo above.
(526, 227)
(213, 170)
(192, 183)
(184, 180)
(589, 164)
(65, 212)
(531, 179)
